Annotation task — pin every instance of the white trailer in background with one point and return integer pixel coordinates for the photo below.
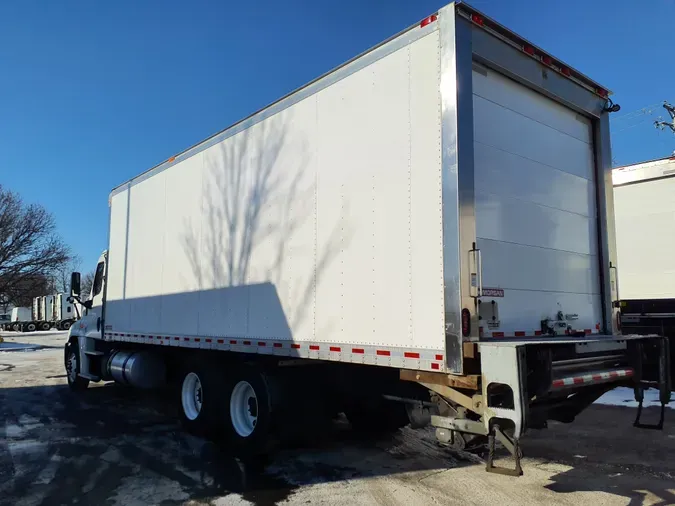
(424, 233)
(18, 314)
(63, 313)
(644, 203)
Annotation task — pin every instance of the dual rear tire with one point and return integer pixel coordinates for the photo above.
(233, 406)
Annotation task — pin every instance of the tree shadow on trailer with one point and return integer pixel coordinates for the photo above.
(115, 443)
(259, 197)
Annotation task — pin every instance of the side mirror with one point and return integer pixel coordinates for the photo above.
(75, 284)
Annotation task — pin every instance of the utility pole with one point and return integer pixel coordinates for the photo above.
(665, 124)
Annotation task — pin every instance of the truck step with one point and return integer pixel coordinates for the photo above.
(94, 353)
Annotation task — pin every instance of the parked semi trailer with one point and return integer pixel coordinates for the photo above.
(645, 216)
(19, 314)
(46, 312)
(423, 234)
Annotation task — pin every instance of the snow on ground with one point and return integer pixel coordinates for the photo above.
(37, 333)
(623, 396)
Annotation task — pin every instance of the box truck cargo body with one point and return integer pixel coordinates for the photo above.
(644, 197)
(432, 216)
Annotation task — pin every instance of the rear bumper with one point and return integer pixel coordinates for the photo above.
(557, 378)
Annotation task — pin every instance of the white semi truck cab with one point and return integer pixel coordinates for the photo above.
(423, 235)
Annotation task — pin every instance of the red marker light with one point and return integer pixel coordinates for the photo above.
(477, 19)
(429, 20)
(546, 60)
(529, 50)
(466, 322)
(565, 71)
(601, 92)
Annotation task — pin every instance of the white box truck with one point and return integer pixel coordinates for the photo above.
(424, 233)
(18, 315)
(644, 203)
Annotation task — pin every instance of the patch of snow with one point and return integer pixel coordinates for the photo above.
(623, 396)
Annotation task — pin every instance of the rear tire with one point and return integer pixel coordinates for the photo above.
(30, 327)
(202, 396)
(65, 325)
(45, 326)
(71, 362)
(249, 405)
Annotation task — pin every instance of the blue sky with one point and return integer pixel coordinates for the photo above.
(93, 93)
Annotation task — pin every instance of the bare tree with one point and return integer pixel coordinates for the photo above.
(85, 284)
(61, 280)
(30, 251)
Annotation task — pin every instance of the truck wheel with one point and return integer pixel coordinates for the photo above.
(201, 398)
(250, 413)
(16, 327)
(30, 327)
(71, 359)
(65, 325)
(45, 326)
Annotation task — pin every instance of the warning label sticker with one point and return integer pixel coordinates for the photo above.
(492, 292)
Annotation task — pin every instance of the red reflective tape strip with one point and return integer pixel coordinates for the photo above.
(143, 336)
(262, 343)
(587, 331)
(498, 334)
(150, 337)
(578, 380)
(409, 354)
(629, 372)
(335, 348)
(197, 339)
(537, 332)
(435, 366)
(208, 340)
(176, 338)
(383, 353)
(439, 357)
(558, 383)
(613, 374)
(233, 341)
(186, 339)
(247, 343)
(519, 333)
(313, 347)
(597, 377)
(295, 346)
(278, 345)
(358, 350)
(135, 335)
(597, 326)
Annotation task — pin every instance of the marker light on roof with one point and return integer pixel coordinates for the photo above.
(546, 60)
(529, 50)
(565, 71)
(428, 20)
(477, 19)
(601, 92)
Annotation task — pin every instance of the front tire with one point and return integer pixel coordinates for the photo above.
(71, 359)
